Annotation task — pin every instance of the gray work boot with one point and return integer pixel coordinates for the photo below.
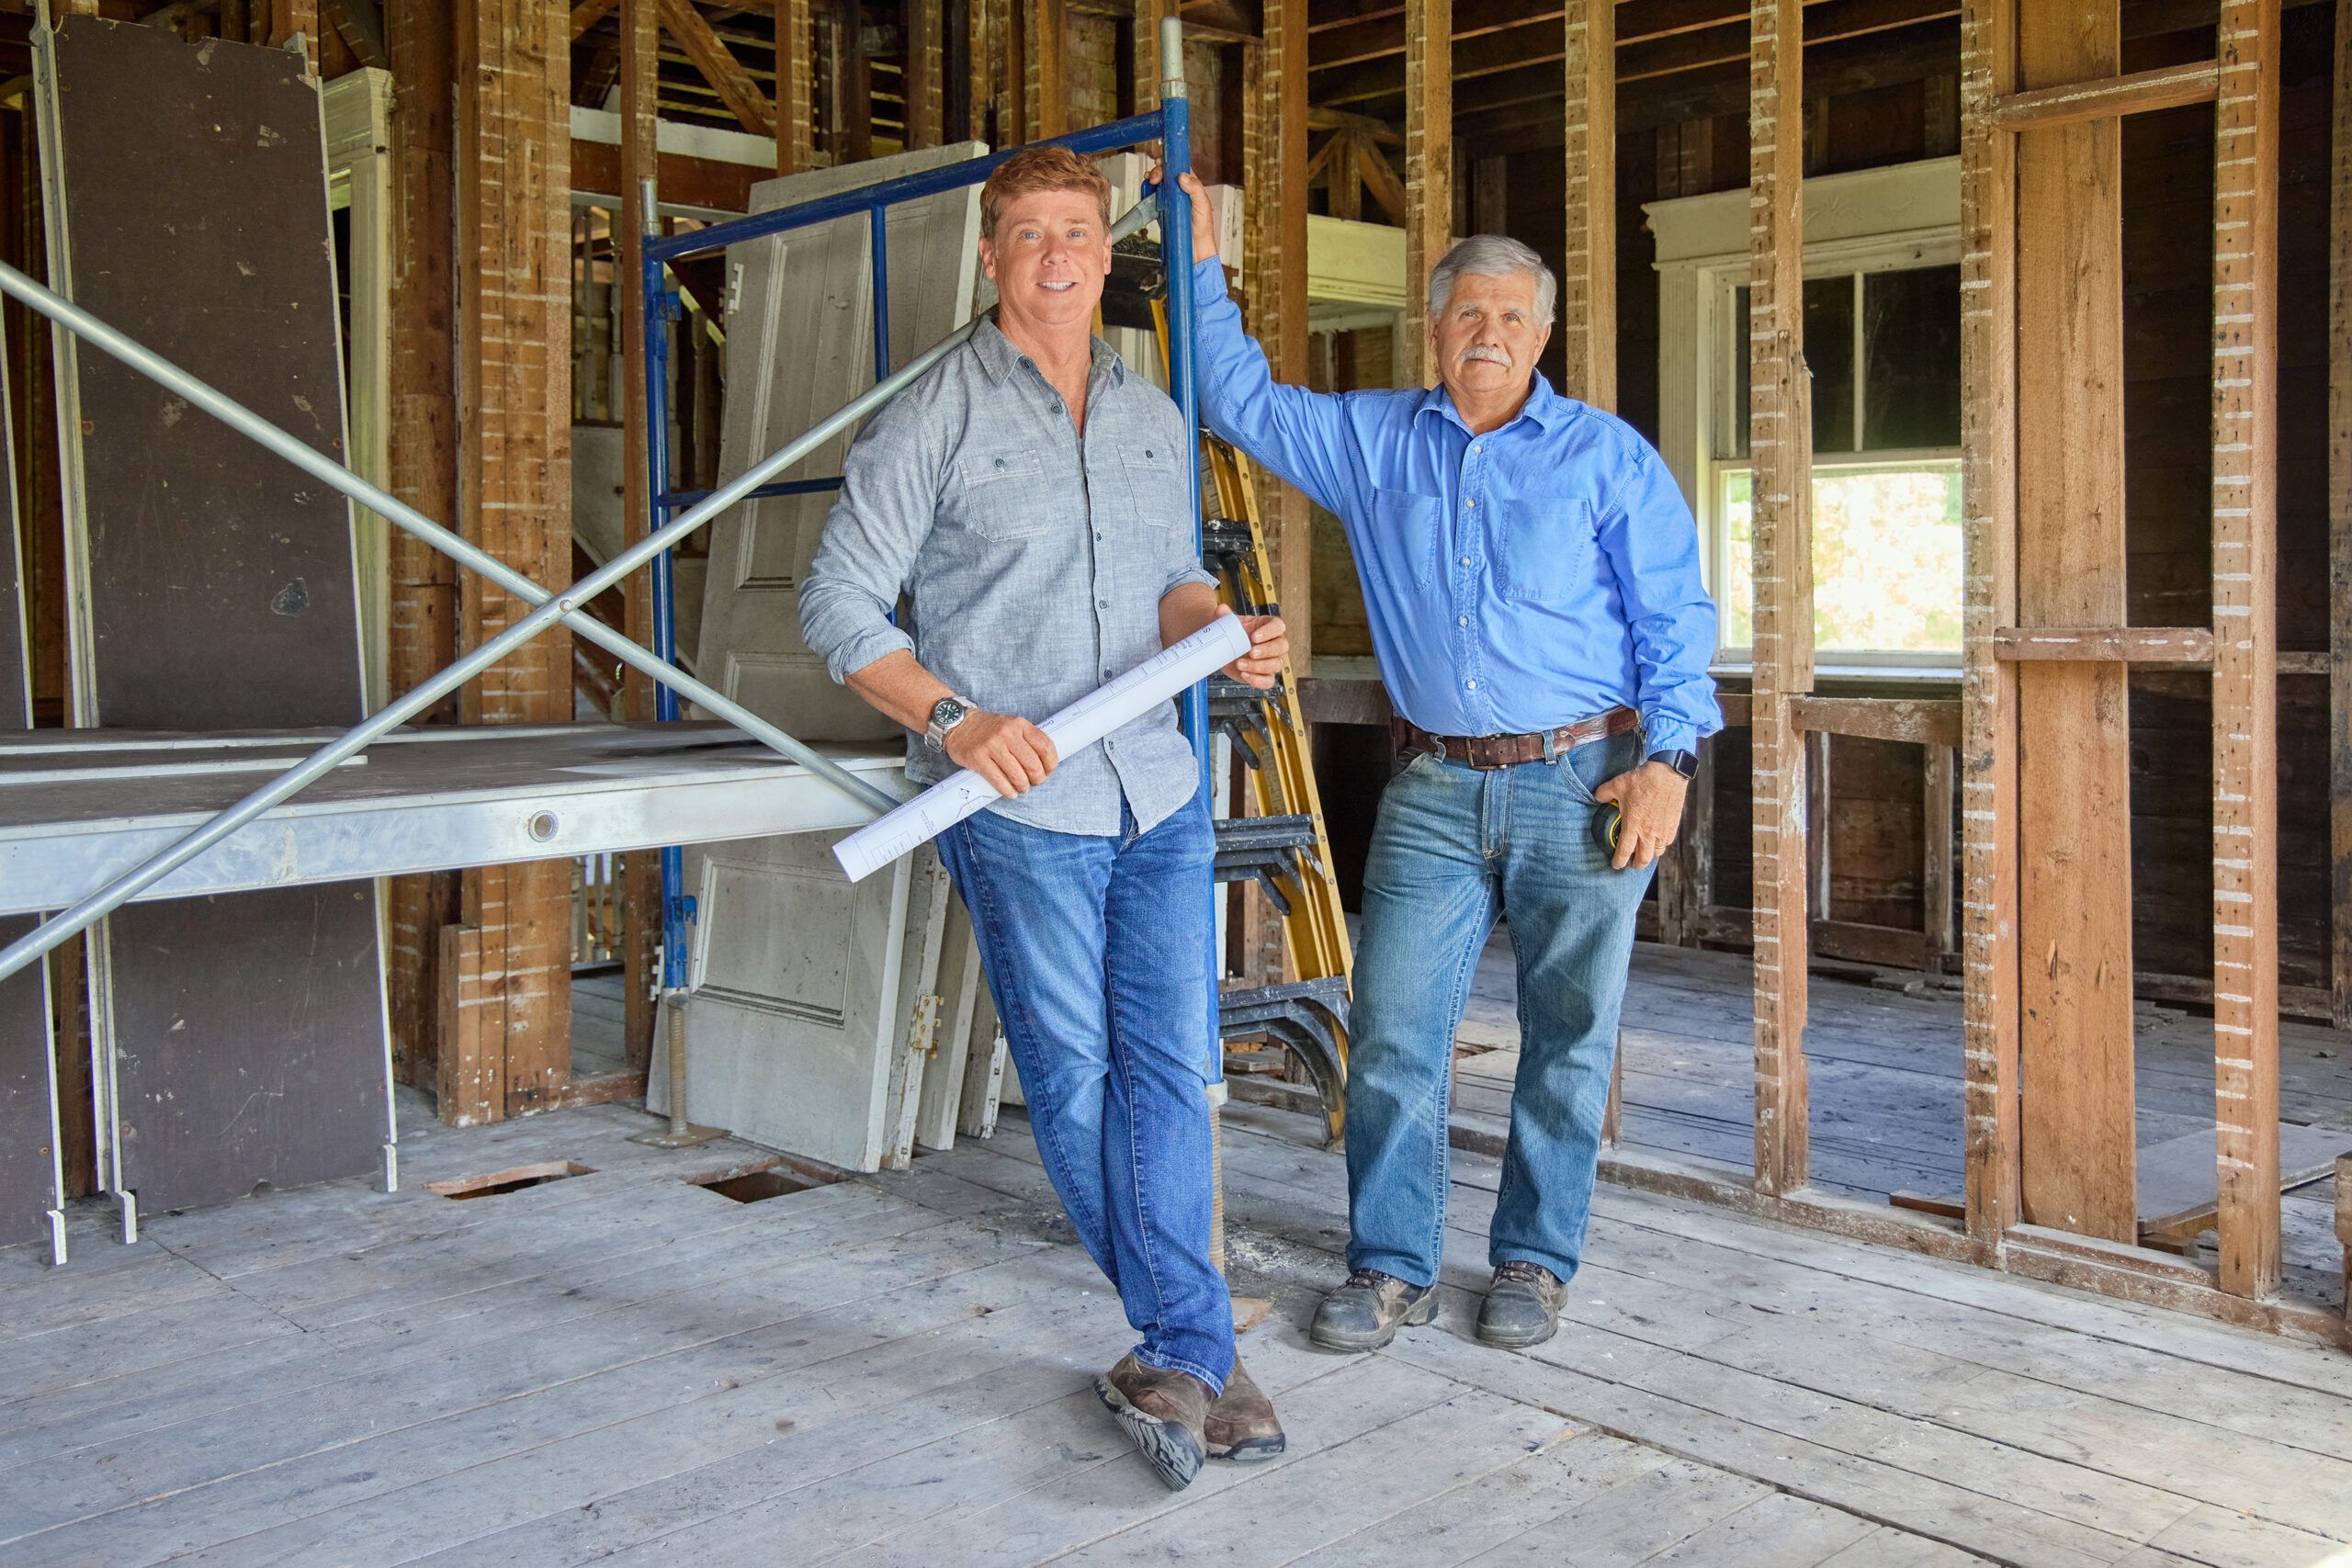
(1365, 1313)
(1241, 1424)
(1522, 1305)
(1165, 1414)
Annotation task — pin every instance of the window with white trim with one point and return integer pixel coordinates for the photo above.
(1882, 341)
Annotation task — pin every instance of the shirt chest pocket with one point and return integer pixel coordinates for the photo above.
(1404, 528)
(1002, 494)
(1546, 550)
(1156, 493)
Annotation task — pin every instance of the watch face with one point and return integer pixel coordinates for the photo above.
(947, 713)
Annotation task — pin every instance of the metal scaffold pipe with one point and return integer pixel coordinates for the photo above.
(548, 608)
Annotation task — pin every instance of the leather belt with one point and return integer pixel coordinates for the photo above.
(1488, 752)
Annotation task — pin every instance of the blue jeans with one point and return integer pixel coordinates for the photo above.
(1454, 847)
(1097, 954)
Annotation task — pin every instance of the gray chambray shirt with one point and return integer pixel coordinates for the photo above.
(1036, 562)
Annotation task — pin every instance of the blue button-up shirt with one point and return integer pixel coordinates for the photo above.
(1543, 572)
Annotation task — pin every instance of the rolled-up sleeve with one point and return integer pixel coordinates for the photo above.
(889, 496)
(1183, 550)
(1652, 543)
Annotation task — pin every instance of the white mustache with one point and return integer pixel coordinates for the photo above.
(1491, 355)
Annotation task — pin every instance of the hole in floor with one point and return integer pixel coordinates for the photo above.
(510, 1180)
(759, 1184)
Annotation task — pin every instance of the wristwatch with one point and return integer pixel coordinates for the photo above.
(1683, 762)
(945, 714)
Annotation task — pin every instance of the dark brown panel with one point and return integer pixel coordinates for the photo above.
(28, 1168)
(219, 579)
(248, 1032)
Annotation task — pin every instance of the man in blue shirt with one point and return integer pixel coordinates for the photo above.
(1531, 578)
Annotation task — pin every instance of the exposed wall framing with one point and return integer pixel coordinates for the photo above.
(1781, 440)
(2246, 644)
(513, 376)
(1428, 167)
(639, 68)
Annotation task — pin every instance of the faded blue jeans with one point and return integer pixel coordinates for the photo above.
(1097, 954)
(1453, 848)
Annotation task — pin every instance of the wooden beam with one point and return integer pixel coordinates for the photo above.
(2075, 918)
(290, 19)
(361, 26)
(2246, 644)
(1429, 169)
(641, 41)
(1276, 287)
(980, 87)
(2339, 528)
(598, 168)
(924, 82)
(1588, 271)
(1047, 67)
(1911, 721)
(1780, 442)
(2105, 644)
(2139, 92)
(514, 477)
(587, 14)
(795, 88)
(1936, 824)
(421, 448)
(719, 67)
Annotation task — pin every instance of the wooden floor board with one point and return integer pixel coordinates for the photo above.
(897, 1371)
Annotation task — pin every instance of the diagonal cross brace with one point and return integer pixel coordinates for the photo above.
(547, 608)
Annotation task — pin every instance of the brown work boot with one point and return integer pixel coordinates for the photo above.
(1242, 1426)
(1165, 1414)
(1522, 1305)
(1364, 1314)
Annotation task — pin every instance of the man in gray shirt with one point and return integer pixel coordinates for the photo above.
(1030, 496)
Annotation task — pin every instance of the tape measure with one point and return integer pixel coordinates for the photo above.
(1608, 820)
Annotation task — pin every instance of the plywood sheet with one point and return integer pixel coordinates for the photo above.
(211, 586)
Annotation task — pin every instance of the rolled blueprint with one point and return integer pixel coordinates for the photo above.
(1073, 730)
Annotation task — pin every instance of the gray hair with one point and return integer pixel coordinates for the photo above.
(1491, 256)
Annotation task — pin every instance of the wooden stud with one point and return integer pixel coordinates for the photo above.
(641, 39)
(1588, 273)
(2075, 103)
(719, 67)
(587, 14)
(2245, 642)
(421, 464)
(2106, 645)
(360, 27)
(1936, 869)
(1781, 441)
(1045, 68)
(1429, 169)
(1143, 85)
(2074, 740)
(289, 19)
(795, 88)
(1912, 722)
(1816, 823)
(924, 78)
(2339, 529)
(514, 472)
(981, 84)
(852, 85)
(1277, 288)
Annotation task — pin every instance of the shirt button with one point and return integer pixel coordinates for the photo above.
(1098, 538)
(1481, 447)
(1471, 685)
(1462, 620)
(1101, 604)
(1465, 560)
(1471, 501)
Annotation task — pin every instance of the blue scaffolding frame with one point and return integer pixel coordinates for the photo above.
(1169, 126)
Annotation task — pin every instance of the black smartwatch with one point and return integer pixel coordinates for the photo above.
(1683, 762)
